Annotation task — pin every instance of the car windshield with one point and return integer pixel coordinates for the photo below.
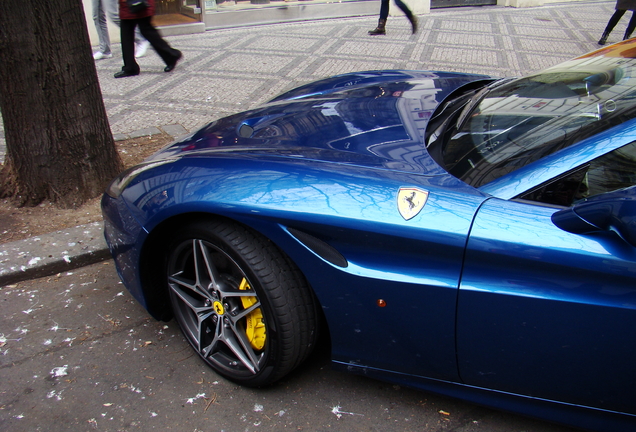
(520, 121)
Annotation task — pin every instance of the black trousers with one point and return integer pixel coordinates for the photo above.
(616, 17)
(168, 54)
(384, 9)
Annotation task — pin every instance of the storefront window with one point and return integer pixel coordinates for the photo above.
(234, 13)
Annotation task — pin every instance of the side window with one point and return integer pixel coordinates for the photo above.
(615, 170)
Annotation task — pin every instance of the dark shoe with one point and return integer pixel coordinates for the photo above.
(413, 20)
(603, 39)
(170, 66)
(124, 74)
(377, 31)
(380, 29)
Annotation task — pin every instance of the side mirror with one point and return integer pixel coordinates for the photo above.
(612, 211)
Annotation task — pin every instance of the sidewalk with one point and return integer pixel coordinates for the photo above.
(226, 71)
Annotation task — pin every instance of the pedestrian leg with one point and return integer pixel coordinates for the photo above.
(616, 17)
(131, 67)
(384, 13)
(99, 17)
(112, 13)
(169, 55)
(631, 26)
(412, 18)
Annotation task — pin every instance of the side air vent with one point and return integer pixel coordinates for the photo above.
(320, 248)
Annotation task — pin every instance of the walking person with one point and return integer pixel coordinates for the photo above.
(622, 6)
(131, 20)
(103, 9)
(384, 14)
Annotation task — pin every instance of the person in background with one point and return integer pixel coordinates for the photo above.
(384, 14)
(621, 7)
(103, 9)
(129, 22)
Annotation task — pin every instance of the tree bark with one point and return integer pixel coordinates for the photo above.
(59, 144)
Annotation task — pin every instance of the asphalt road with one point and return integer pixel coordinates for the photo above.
(78, 353)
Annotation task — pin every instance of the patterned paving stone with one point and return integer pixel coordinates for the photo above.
(230, 70)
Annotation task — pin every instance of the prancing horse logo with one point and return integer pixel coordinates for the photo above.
(411, 201)
(218, 308)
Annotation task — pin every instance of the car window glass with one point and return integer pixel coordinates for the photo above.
(524, 120)
(610, 172)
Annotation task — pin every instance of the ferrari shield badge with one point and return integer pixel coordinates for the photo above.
(411, 201)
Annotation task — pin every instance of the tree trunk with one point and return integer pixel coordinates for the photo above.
(59, 144)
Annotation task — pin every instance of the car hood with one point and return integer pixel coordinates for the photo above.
(372, 119)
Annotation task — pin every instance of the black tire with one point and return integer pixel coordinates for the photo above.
(225, 282)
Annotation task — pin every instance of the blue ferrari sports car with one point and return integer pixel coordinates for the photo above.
(457, 233)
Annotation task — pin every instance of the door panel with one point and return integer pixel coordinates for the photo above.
(546, 313)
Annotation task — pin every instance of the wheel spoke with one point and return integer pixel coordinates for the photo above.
(177, 279)
(247, 348)
(227, 334)
(204, 272)
(199, 308)
(233, 293)
(218, 337)
(242, 350)
(204, 267)
(247, 311)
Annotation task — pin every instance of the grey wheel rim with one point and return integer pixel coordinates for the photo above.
(217, 308)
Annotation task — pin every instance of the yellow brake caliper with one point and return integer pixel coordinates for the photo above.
(254, 327)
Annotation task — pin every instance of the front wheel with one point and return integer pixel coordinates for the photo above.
(240, 302)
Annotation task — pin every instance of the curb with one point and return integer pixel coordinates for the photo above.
(52, 253)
